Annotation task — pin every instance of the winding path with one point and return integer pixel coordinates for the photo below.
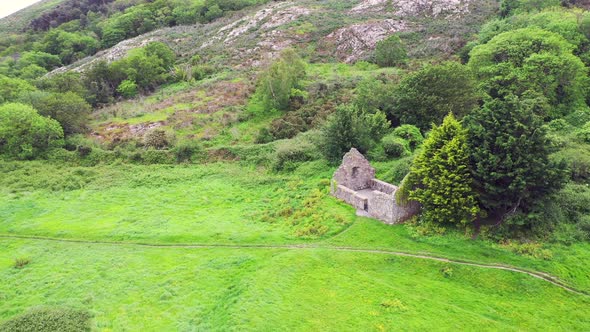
(539, 275)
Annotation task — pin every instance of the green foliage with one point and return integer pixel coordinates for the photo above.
(186, 150)
(157, 139)
(21, 262)
(510, 156)
(411, 134)
(12, 88)
(350, 127)
(32, 72)
(511, 7)
(374, 94)
(390, 52)
(532, 61)
(290, 153)
(276, 83)
(424, 98)
(69, 109)
(146, 68)
(41, 59)
(69, 46)
(440, 176)
(395, 146)
(47, 319)
(127, 89)
(583, 134)
(24, 134)
(578, 162)
(63, 82)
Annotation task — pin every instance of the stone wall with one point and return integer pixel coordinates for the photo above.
(383, 186)
(351, 197)
(381, 206)
(354, 182)
(355, 172)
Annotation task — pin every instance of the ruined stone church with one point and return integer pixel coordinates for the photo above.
(354, 182)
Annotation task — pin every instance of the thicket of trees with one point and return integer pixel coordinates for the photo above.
(24, 134)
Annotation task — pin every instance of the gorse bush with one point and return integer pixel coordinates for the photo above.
(158, 139)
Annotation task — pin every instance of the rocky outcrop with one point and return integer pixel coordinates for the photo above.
(430, 8)
(356, 41)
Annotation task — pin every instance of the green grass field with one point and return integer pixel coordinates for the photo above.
(254, 283)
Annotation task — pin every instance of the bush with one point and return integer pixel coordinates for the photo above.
(395, 147)
(351, 127)
(399, 170)
(289, 153)
(584, 133)
(127, 89)
(184, 151)
(157, 139)
(390, 52)
(411, 134)
(24, 134)
(21, 262)
(579, 117)
(578, 162)
(426, 96)
(152, 156)
(49, 320)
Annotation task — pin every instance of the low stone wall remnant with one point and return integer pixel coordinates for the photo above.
(354, 182)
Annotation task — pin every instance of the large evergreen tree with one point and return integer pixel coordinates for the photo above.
(440, 177)
(510, 156)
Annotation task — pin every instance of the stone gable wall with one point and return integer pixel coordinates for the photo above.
(378, 197)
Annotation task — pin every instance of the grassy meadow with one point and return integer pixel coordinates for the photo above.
(260, 286)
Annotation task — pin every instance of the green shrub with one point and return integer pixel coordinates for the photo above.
(21, 262)
(184, 151)
(399, 170)
(24, 134)
(351, 127)
(62, 155)
(390, 52)
(532, 249)
(152, 156)
(579, 117)
(578, 162)
(584, 133)
(411, 134)
(264, 136)
(290, 153)
(43, 319)
(157, 139)
(128, 89)
(395, 147)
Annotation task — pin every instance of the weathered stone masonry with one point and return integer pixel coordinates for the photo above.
(354, 182)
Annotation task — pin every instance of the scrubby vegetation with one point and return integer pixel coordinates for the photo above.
(227, 148)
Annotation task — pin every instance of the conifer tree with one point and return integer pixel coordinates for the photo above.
(440, 178)
(510, 156)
